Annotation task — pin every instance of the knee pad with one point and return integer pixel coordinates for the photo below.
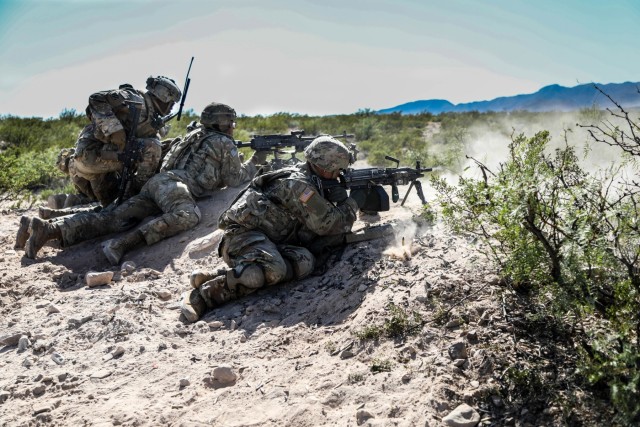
(301, 259)
(250, 276)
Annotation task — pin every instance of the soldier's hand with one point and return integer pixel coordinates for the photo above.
(156, 122)
(336, 194)
(359, 196)
(259, 157)
(119, 138)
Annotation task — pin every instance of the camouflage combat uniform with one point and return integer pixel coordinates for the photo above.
(274, 222)
(203, 161)
(95, 159)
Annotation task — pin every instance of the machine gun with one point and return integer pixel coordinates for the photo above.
(366, 184)
(296, 140)
(132, 150)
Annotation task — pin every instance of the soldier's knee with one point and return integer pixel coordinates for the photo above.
(301, 260)
(250, 276)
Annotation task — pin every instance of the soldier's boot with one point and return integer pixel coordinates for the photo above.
(198, 277)
(23, 232)
(192, 305)
(47, 213)
(226, 287)
(56, 201)
(114, 249)
(41, 233)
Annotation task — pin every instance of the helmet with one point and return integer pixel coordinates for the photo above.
(164, 88)
(215, 114)
(328, 153)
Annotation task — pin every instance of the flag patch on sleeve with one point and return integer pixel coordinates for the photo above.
(306, 195)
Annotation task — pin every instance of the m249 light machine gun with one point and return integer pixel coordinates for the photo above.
(275, 144)
(366, 184)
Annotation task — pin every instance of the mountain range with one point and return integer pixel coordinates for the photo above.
(549, 98)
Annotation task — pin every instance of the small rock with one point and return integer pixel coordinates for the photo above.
(452, 324)
(458, 350)
(51, 309)
(28, 362)
(38, 390)
(4, 395)
(101, 374)
(362, 416)
(184, 382)
(362, 288)
(164, 294)
(233, 326)
(216, 324)
(62, 377)
(23, 343)
(11, 338)
(224, 375)
(346, 354)
(472, 336)
(40, 409)
(128, 267)
(459, 362)
(98, 278)
(58, 358)
(119, 351)
(42, 304)
(463, 416)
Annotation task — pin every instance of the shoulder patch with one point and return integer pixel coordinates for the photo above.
(234, 152)
(306, 195)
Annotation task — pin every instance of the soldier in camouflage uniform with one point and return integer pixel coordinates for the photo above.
(205, 160)
(95, 162)
(271, 225)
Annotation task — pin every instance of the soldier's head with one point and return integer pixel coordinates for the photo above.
(164, 93)
(220, 117)
(327, 156)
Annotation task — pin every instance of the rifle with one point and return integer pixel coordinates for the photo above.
(187, 82)
(132, 150)
(275, 143)
(366, 184)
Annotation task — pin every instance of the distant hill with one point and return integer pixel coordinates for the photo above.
(549, 98)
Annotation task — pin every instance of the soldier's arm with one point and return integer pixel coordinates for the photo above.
(234, 172)
(314, 211)
(101, 109)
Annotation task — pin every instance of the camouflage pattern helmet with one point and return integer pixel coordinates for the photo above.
(164, 88)
(328, 153)
(220, 115)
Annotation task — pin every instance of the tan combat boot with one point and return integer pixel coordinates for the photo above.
(198, 277)
(192, 305)
(24, 230)
(115, 249)
(41, 233)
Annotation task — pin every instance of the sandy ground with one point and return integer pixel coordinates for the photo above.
(119, 354)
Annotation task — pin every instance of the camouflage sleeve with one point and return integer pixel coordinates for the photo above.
(102, 114)
(222, 166)
(314, 211)
(234, 172)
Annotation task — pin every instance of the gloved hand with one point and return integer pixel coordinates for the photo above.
(259, 157)
(359, 196)
(156, 122)
(336, 194)
(119, 138)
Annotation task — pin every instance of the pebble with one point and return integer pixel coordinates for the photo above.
(457, 350)
(462, 416)
(224, 375)
(98, 278)
(234, 325)
(362, 288)
(11, 338)
(128, 267)
(38, 390)
(216, 324)
(164, 294)
(4, 395)
(101, 374)
(58, 358)
(40, 409)
(51, 309)
(23, 343)
(27, 362)
(346, 354)
(184, 382)
(62, 377)
(362, 416)
(119, 351)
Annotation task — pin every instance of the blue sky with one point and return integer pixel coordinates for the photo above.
(320, 57)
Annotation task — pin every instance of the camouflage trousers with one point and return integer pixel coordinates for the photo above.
(164, 195)
(95, 166)
(279, 262)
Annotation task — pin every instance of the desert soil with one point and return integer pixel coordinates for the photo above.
(291, 355)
